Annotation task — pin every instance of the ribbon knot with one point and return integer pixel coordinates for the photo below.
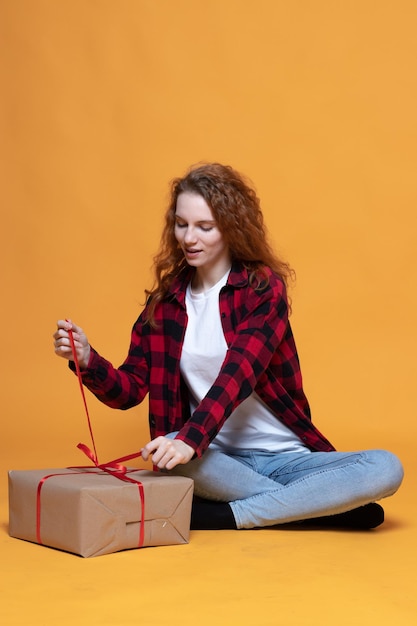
(115, 467)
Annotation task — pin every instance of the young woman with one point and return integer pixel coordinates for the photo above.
(214, 350)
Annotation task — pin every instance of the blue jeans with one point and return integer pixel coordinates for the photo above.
(267, 488)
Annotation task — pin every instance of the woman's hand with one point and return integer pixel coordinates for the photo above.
(63, 346)
(167, 453)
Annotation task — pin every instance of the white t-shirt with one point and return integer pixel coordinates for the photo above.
(251, 425)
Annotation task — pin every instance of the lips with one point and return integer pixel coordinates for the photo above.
(191, 252)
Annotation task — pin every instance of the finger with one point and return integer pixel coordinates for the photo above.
(60, 334)
(163, 456)
(170, 458)
(77, 330)
(63, 351)
(170, 461)
(171, 464)
(154, 444)
(164, 462)
(145, 454)
(64, 324)
(147, 451)
(62, 342)
(160, 449)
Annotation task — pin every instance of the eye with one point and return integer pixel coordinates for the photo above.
(206, 229)
(180, 225)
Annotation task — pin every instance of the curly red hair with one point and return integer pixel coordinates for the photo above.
(236, 209)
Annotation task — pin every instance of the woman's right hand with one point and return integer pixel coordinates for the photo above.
(63, 345)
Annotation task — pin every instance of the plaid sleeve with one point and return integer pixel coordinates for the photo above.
(262, 327)
(120, 388)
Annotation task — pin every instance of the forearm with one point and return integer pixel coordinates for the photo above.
(115, 387)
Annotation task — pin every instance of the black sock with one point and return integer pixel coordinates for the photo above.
(211, 515)
(367, 516)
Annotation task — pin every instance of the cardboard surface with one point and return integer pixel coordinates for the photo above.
(92, 513)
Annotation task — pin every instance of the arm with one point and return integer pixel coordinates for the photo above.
(120, 388)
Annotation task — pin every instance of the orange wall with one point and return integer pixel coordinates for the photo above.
(104, 102)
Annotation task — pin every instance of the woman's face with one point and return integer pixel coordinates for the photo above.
(198, 235)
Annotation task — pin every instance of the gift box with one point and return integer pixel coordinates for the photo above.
(91, 512)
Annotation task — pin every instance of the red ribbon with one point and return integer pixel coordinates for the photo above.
(77, 369)
(115, 468)
(121, 475)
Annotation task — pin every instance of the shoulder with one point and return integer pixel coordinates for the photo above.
(260, 283)
(270, 279)
(267, 292)
(263, 293)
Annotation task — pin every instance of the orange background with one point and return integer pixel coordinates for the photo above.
(104, 102)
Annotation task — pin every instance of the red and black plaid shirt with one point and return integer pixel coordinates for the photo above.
(261, 357)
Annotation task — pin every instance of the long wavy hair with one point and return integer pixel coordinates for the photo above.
(236, 209)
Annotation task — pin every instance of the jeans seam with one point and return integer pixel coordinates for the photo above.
(317, 471)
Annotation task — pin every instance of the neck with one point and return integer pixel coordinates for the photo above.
(206, 279)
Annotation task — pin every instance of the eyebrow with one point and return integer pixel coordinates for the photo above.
(178, 217)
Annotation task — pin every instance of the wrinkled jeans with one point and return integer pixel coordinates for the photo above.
(268, 488)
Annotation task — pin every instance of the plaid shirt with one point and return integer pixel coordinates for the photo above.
(261, 357)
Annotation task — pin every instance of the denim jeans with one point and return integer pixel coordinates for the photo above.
(267, 488)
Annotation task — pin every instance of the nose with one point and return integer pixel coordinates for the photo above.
(189, 235)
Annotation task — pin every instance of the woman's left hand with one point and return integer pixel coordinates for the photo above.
(167, 453)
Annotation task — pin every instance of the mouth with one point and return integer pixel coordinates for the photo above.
(191, 252)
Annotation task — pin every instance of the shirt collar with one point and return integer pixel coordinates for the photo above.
(238, 277)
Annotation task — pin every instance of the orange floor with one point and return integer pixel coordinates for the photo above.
(258, 577)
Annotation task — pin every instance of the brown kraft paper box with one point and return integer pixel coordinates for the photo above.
(93, 513)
